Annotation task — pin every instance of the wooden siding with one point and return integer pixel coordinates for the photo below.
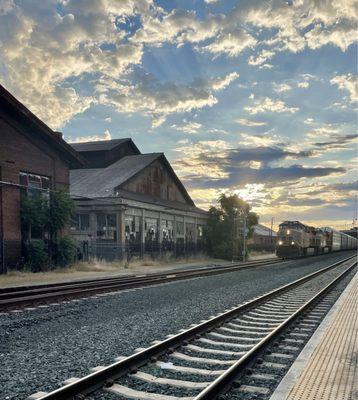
(155, 181)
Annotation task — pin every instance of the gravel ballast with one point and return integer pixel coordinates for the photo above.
(42, 347)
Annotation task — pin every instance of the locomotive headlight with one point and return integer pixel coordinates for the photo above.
(292, 243)
(288, 231)
(280, 242)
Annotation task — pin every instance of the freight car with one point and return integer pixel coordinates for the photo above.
(295, 239)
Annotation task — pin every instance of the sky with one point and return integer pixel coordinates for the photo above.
(257, 98)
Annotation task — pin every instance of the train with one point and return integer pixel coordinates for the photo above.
(295, 239)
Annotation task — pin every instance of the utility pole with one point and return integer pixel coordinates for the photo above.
(244, 239)
(234, 236)
(271, 232)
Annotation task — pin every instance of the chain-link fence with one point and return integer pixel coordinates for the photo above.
(111, 251)
(11, 255)
(13, 252)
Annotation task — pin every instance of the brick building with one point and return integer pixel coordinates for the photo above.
(263, 238)
(130, 203)
(33, 156)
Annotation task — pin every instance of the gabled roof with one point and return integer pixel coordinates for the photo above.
(168, 204)
(27, 123)
(264, 230)
(102, 182)
(101, 145)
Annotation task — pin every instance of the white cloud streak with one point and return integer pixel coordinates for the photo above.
(270, 105)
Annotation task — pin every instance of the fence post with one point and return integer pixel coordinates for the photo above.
(2, 256)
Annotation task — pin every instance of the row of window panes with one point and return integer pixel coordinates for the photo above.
(35, 183)
(106, 225)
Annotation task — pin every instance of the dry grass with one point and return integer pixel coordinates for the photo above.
(96, 268)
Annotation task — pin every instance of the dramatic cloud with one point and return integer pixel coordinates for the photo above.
(158, 100)
(131, 62)
(205, 166)
(42, 49)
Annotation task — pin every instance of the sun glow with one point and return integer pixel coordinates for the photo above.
(252, 191)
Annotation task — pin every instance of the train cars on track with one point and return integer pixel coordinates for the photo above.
(296, 239)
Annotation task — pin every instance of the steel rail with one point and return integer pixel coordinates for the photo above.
(24, 288)
(107, 376)
(43, 292)
(224, 381)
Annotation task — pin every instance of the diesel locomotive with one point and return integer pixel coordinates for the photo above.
(295, 239)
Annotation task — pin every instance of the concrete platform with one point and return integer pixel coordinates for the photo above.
(327, 367)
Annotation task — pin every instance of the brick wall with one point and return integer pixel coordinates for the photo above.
(19, 152)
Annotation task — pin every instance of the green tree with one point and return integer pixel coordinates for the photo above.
(59, 212)
(47, 217)
(224, 222)
(34, 215)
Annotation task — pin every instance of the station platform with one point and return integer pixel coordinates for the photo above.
(327, 367)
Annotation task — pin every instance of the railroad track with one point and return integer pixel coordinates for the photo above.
(204, 361)
(24, 295)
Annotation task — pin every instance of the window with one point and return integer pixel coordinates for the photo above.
(167, 230)
(132, 228)
(107, 226)
(189, 231)
(80, 222)
(35, 184)
(200, 231)
(180, 228)
(151, 229)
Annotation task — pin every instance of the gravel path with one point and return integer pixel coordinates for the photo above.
(41, 348)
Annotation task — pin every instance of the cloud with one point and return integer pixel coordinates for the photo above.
(337, 142)
(330, 137)
(303, 85)
(270, 105)
(250, 123)
(58, 47)
(266, 139)
(245, 175)
(189, 127)
(347, 82)
(281, 87)
(49, 49)
(204, 166)
(231, 44)
(158, 100)
(261, 58)
(106, 135)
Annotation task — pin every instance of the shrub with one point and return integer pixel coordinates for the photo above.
(37, 257)
(66, 251)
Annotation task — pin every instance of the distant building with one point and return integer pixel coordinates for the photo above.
(263, 238)
(32, 158)
(130, 203)
(351, 232)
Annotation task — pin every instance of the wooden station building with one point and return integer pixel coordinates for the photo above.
(130, 203)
